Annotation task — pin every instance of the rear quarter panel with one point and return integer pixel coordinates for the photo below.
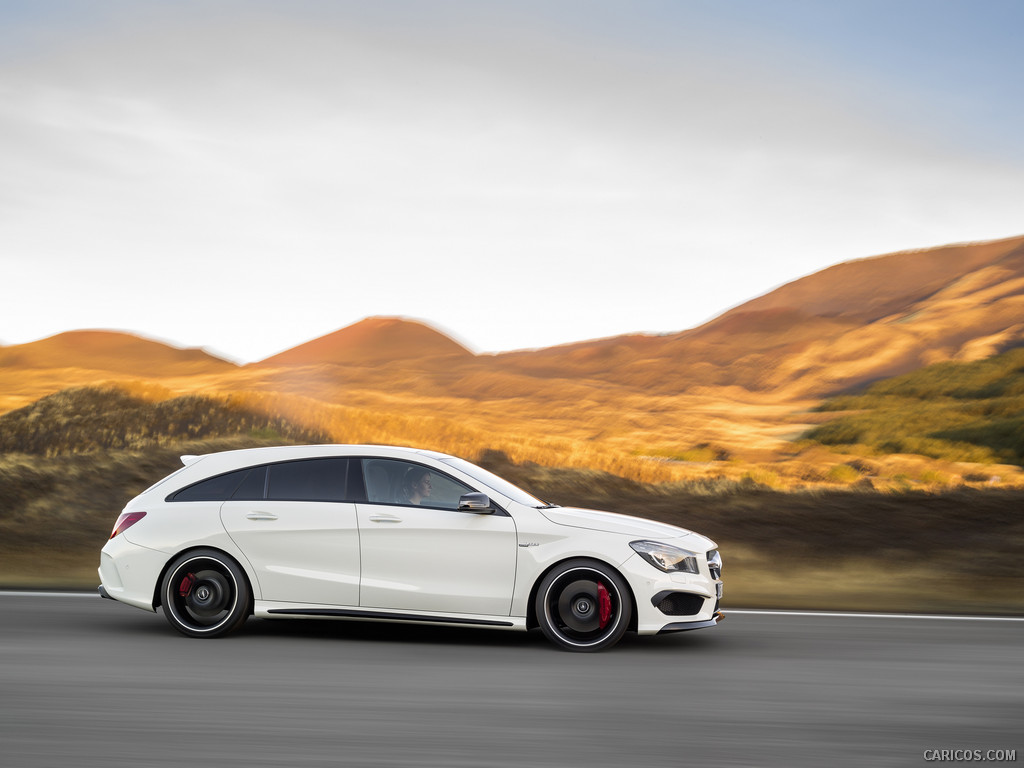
(173, 527)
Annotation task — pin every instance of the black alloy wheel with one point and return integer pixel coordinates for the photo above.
(205, 594)
(583, 605)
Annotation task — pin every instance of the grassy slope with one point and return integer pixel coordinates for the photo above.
(953, 552)
(70, 461)
(56, 512)
(86, 419)
(950, 552)
(955, 411)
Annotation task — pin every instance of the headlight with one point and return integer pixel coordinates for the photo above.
(666, 558)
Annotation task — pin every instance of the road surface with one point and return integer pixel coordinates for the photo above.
(89, 682)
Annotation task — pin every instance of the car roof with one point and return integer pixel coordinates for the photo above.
(247, 456)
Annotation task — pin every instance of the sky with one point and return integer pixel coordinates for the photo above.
(246, 176)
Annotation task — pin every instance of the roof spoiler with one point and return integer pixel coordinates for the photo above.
(190, 459)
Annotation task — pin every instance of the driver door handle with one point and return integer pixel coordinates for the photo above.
(385, 519)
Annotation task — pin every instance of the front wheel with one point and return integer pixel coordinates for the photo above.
(583, 605)
(205, 594)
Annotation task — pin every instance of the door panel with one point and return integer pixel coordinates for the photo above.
(422, 559)
(302, 551)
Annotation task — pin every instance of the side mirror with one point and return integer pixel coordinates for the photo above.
(477, 503)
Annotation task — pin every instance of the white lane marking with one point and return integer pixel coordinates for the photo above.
(728, 611)
(43, 593)
(725, 611)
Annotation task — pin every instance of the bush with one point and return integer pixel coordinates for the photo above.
(843, 473)
(87, 419)
(954, 411)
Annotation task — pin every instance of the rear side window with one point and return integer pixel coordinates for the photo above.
(309, 480)
(219, 488)
(253, 485)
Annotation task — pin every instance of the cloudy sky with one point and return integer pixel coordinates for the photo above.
(246, 176)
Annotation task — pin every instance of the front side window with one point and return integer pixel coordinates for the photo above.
(389, 481)
(491, 480)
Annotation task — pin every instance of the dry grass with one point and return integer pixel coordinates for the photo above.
(648, 440)
(855, 549)
(727, 436)
(56, 512)
(956, 551)
(101, 418)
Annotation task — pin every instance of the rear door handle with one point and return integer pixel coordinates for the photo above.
(385, 519)
(261, 516)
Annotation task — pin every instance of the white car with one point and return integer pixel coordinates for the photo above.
(397, 534)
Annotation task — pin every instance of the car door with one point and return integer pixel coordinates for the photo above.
(423, 554)
(298, 531)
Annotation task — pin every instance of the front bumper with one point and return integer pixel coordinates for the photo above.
(683, 626)
(672, 602)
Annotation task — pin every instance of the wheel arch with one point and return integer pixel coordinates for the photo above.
(157, 602)
(531, 608)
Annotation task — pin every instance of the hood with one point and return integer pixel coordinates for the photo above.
(613, 522)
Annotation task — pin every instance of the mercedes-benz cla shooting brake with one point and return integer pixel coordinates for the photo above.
(401, 535)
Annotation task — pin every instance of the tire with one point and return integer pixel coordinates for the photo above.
(583, 605)
(205, 594)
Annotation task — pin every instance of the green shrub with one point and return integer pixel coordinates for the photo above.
(954, 411)
(842, 473)
(85, 419)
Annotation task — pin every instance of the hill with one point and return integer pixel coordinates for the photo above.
(374, 341)
(796, 550)
(870, 289)
(820, 335)
(90, 418)
(955, 411)
(723, 401)
(831, 331)
(113, 352)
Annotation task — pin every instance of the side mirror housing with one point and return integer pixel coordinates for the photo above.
(476, 503)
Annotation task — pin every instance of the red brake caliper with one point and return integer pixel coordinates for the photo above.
(604, 602)
(186, 585)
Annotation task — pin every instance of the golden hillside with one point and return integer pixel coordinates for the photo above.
(833, 330)
(110, 351)
(373, 341)
(719, 401)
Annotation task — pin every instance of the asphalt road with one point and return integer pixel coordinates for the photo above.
(88, 682)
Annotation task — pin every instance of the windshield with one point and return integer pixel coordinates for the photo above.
(492, 481)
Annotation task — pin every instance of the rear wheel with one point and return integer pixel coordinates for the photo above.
(583, 605)
(205, 594)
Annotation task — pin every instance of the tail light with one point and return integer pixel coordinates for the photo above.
(126, 521)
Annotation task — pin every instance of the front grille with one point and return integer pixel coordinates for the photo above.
(680, 604)
(714, 563)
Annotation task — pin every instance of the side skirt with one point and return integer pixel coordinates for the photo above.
(405, 618)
